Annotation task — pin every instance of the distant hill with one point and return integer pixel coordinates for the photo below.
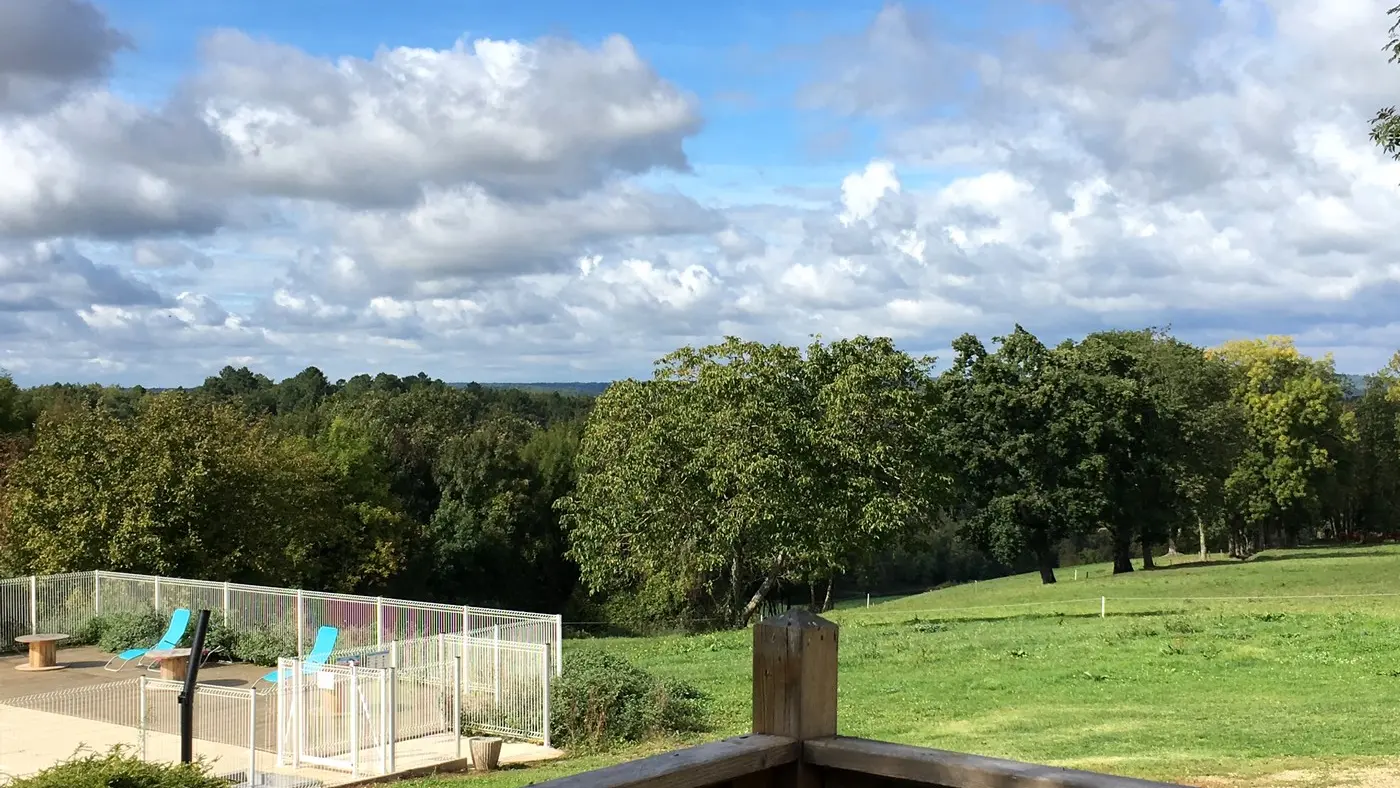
(588, 388)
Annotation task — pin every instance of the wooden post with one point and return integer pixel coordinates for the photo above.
(794, 683)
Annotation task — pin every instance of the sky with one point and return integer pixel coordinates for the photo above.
(567, 191)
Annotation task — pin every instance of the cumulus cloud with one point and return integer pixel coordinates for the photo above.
(1199, 163)
(54, 276)
(548, 119)
(49, 46)
(475, 210)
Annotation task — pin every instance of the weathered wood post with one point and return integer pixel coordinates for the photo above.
(794, 683)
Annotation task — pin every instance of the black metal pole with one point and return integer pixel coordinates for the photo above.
(187, 694)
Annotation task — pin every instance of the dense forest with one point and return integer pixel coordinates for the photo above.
(739, 476)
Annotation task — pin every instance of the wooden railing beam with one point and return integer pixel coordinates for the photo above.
(861, 758)
(742, 759)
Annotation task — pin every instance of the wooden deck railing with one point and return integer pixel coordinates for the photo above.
(794, 742)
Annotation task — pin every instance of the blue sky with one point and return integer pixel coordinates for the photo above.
(543, 206)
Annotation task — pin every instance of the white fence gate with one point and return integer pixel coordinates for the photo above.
(334, 716)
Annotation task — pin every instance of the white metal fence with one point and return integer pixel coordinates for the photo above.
(368, 710)
(335, 717)
(502, 685)
(65, 603)
(231, 727)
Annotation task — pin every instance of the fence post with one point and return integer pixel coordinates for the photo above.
(354, 720)
(157, 593)
(298, 712)
(281, 712)
(393, 653)
(225, 601)
(379, 621)
(393, 717)
(140, 689)
(794, 683)
(457, 703)
(97, 593)
(301, 629)
(252, 732)
(33, 605)
(496, 661)
(548, 675)
(1103, 607)
(386, 729)
(558, 644)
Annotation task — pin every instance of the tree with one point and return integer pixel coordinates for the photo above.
(1385, 126)
(1174, 438)
(1295, 428)
(16, 414)
(1014, 426)
(740, 464)
(185, 488)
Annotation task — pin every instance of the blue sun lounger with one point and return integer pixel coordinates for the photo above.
(179, 622)
(320, 652)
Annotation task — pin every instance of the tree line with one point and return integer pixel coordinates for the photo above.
(739, 475)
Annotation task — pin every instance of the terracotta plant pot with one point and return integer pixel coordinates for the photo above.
(486, 752)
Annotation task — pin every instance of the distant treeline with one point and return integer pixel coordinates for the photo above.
(739, 476)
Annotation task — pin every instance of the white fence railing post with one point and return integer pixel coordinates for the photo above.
(379, 621)
(97, 593)
(545, 677)
(298, 713)
(496, 661)
(141, 712)
(33, 605)
(281, 713)
(157, 593)
(558, 644)
(252, 732)
(226, 601)
(354, 719)
(301, 628)
(457, 704)
(392, 678)
(386, 730)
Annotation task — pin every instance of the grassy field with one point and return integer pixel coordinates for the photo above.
(1186, 679)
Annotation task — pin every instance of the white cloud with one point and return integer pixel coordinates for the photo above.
(475, 211)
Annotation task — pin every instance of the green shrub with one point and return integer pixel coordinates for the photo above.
(116, 768)
(121, 631)
(89, 633)
(264, 645)
(603, 700)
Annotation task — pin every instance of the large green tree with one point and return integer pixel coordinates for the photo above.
(186, 487)
(1020, 433)
(740, 464)
(1295, 429)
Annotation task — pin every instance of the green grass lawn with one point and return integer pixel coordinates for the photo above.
(1166, 686)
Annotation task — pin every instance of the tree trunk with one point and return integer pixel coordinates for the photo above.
(826, 603)
(1047, 566)
(812, 593)
(1171, 542)
(1147, 555)
(762, 592)
(1201, 530)
(1122, 553)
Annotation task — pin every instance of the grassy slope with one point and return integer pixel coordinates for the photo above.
(1162, 687)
